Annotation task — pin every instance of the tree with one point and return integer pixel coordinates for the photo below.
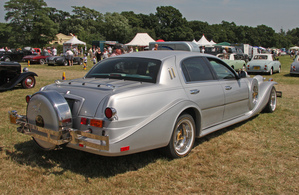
(85, 23)
(117, 27)
(30, 22)
(172, 26)
(5, 32)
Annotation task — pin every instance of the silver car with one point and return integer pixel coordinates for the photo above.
(142, 101)
(294, 70)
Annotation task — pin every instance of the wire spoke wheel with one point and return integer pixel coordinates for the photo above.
(28, 82)
(272, 103)
(183, 137)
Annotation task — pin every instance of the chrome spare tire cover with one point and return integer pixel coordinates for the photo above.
(49, 110)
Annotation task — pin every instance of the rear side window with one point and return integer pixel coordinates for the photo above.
(195, 69)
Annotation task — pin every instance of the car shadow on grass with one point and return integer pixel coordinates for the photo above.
(293, 75)
(83, 163)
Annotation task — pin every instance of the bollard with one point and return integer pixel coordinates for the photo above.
(63, 76)
(28, 62)
(84, 66)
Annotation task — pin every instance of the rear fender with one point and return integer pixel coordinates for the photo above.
(264, 93)
(23, 76)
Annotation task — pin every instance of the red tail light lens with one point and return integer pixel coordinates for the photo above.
(110, 112)
(96, 123)
(83, 121)
(28, 97)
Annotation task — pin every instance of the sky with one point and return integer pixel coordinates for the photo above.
(277, 14)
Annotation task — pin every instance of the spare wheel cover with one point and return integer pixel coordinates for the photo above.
(48, 109)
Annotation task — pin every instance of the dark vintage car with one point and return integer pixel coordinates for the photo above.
(10, 76)
(16, 55)
(62, 60)
(39, 59)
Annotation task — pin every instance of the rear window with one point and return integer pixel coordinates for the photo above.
(136, 69)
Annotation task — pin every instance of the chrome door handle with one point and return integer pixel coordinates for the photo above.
(194, 91)
(228, 87)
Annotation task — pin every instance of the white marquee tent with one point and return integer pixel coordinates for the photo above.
(295, 47)
(203, 41)
(141, 39)
(73, 42)
(212, 42)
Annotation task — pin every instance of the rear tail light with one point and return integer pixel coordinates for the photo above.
(96, 123)
(92, 122)
(28, 97)
(83, 121)
(110, 112)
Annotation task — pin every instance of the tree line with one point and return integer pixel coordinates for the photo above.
(33, 23)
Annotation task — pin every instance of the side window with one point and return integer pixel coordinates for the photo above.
(222, 71)
(195, 69)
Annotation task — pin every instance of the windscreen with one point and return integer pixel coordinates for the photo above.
(136, 69)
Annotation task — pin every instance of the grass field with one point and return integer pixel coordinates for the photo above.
(258, 156)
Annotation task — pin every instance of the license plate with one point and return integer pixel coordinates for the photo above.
(51, 62)
(256, 68)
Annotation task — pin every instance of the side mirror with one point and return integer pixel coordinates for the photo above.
(242, 74)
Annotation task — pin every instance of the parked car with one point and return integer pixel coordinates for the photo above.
(263, 63)
(16, 55)
(233, 60)
(142, 101)
(294, 70)
(41, 59)
(62, 60)
(175, 45)
(10, 76)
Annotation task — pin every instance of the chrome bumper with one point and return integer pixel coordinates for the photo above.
(63, 136)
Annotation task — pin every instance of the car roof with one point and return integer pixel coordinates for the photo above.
(163, 54)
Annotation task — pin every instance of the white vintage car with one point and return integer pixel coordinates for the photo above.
(263, 63)
(233, 60)
(142, 101)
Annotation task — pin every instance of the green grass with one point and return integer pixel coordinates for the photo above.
(258, 156)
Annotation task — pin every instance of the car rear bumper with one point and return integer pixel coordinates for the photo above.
(63, 136)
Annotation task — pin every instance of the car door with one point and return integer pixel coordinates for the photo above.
(236, 92)
(203, 89)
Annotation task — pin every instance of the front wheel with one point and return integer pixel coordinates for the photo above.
(65, 63)
(183, 137)
(42, 61)
(271, 105)
(271, 71)
(28, 82)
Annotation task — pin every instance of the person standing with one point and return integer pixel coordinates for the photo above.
(98, 54)
(70, 56)
(105, 54)
(54, 51)
(156, 47)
